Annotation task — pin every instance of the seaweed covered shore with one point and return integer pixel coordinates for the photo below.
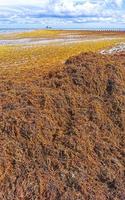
(62, 134)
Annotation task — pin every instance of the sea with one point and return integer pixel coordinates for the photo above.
(13, 30)
(16, 30)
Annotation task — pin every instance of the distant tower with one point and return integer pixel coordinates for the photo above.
(48, 27)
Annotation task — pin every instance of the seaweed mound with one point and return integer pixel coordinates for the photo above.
(62, 134)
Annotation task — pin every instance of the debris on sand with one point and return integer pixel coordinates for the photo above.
(119, 48)
(62, 134)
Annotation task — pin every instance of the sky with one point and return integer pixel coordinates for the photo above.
(63, 14)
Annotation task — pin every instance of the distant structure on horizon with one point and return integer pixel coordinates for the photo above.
(48, 27)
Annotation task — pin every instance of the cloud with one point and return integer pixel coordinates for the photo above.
(73, 11)
(119, 2)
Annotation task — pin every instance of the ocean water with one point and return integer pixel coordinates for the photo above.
(16, 30)
(13, 30)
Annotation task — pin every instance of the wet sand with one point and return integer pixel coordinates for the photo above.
(43, 41)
